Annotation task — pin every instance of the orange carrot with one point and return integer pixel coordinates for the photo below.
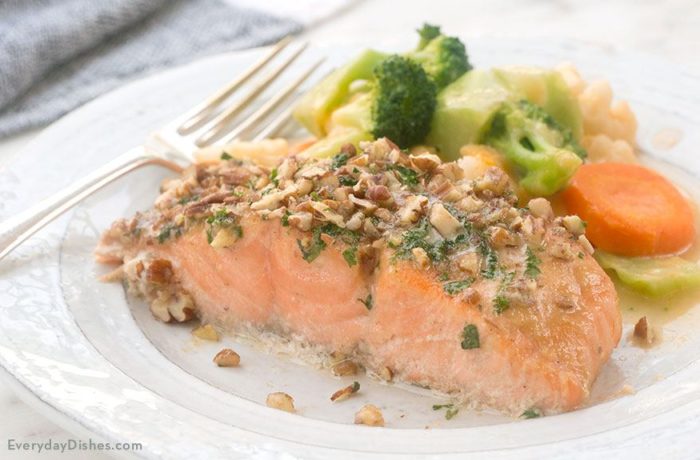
(630, 210)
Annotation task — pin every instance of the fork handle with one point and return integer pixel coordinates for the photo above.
(15, 230)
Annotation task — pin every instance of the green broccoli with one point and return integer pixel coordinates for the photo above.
(316, 106)
(404, 101)
(544, 154)
(397, 102)
(443, 58)
(427, 33)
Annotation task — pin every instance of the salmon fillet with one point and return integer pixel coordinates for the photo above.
(402, 262)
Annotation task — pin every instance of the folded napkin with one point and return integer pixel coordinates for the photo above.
(58, 54)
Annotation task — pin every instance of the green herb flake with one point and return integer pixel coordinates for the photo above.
(316, 245)
(491, 267)
(407, 176)
(581, 255)
(500, 304)
(347, 181)
(531, 413)
(165, 233)
(367, 301)
(470, 337)
(450, 412)
(417, 237)
(315, 196)
(532, 264)
(273, 177)
(313, 250)
(226, 156)
(187, 199)
(339, 160)
(455, 287)
(220, 217)
(441, 406)
(350, 255)
(285, 219)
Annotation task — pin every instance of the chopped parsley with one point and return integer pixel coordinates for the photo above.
(166, 232)
(500, 304)
(531, 413)
(470, 337)
(339, 160)
(313, 250)
(347, 181)
(350, 255)
(417, 237)
(285, 219)
(226, 156)
(450, 412)
(581, 255)
(316, 245)
(367, 301)
(532, 264)
(407, 176)
(273, 177)
(455, 287)
(491, 267)
(220, 217)
(315, 196)
(187, 199)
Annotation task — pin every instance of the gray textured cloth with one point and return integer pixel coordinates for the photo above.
(58, 54)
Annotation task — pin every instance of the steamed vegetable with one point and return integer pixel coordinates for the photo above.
(653, 277)
(464, 112)
(443, 58)
(547, 89)
(397, 103)
(630, 210)
(543, 153)
(466, 107)
(379, 95)
(314, 109)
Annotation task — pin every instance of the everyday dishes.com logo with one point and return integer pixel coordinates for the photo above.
(70, 445)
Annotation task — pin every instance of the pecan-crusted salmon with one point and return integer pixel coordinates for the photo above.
(403, 262)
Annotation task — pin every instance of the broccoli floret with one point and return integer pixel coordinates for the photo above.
(404, 101)
(427, 33)
(536, 112)
(397, 103)
(443, 58)
(543, 153)
(315, 107)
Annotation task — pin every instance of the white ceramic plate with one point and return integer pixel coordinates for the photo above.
(98, 362)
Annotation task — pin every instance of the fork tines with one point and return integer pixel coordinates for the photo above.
(210, 122)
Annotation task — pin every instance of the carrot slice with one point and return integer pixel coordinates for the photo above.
(630, 210)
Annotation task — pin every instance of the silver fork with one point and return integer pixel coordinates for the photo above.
(173, 146)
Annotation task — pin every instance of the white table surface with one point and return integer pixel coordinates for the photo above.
(669, 29)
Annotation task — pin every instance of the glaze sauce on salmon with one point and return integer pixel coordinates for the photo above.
(412, 266)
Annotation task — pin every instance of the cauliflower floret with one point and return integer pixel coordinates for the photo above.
(602, 148)
(603, 116)
(609, 127)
